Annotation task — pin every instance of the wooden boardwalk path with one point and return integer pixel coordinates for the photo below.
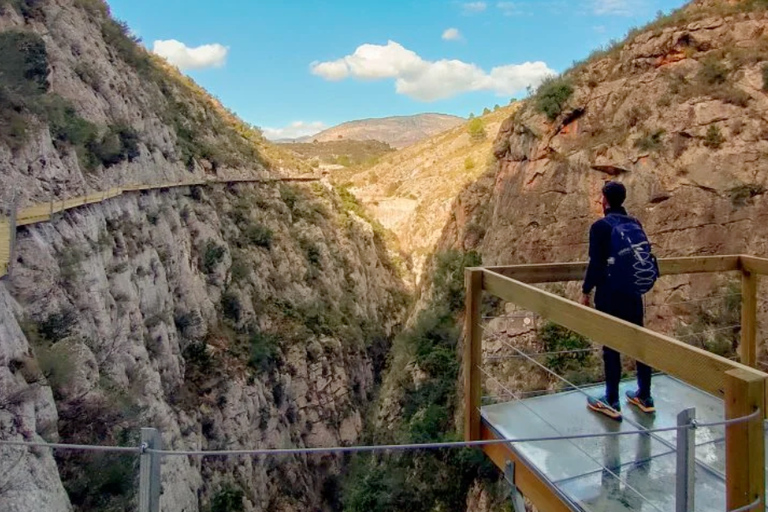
(44, 212)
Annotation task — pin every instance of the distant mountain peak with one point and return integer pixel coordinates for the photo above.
(397, 131)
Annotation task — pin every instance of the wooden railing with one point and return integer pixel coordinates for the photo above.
(740, 385)
(44, 212)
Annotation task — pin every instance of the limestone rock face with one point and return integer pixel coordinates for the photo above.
(134, 323)
(677, 114)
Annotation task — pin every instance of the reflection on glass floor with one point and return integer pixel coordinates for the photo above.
(617, 473)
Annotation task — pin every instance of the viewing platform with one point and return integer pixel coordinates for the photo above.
(616, 473)
(660, 462)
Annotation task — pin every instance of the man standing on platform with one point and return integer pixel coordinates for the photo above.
(621, 269)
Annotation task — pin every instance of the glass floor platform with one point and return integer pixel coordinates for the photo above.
(617, 473)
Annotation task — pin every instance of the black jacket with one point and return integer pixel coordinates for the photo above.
(628, 307)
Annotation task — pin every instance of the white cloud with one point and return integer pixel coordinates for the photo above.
(511, 8)
(617, 7)
(452, 34)
(472, 7)
(184, 57)
(294, 130)
(425, 80)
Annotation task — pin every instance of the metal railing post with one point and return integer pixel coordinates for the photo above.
(686, 461)
(149, 471)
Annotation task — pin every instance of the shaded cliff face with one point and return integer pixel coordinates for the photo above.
(226, 316)
(677, 113)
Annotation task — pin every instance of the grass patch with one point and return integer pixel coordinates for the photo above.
(742, 195)
(714, 138)
(651, 141)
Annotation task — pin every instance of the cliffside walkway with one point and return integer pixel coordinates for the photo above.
(45, 212)
(662, 462)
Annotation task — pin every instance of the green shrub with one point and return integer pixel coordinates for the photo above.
(312, 252)
(651, 141)
(712, 72)
(714, 138)
(228, 499)
(118, 144)
(289, 195)
(240, 269)
(24, 66)
(263, 351)
(118, 36)
(29, 9)
(469, 164)
(197, 355)
(552, 96)
(555, 338)
(58, 326)
(743, 194)
(212, 256)
(476, 129)
(93, 7)
(259, 235)
(231, 307)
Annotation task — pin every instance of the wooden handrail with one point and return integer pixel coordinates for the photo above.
(562, 272)
(696, 366)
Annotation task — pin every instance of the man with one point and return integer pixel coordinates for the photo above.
(626, 303)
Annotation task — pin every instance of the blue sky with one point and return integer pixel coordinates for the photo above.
(293, 67)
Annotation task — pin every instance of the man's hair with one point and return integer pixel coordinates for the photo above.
(615, 193)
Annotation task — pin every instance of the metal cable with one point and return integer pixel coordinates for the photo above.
(344, 449)
(83, 447)
(745, 508)
(540, 354)
(693, 300)
(709, 331)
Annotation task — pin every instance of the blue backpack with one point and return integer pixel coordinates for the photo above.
(632, 267)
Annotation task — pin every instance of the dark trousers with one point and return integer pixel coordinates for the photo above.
(629, 308)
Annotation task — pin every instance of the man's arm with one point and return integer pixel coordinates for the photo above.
(598, 259)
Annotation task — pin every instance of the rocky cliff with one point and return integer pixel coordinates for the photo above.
(226, 316)
(677, 113)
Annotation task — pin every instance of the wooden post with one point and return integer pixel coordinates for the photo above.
(744, 442)
(473, 353)
(748, 347)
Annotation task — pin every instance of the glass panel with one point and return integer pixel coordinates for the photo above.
(642, 486)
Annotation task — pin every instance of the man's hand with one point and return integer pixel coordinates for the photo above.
(586, 299)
